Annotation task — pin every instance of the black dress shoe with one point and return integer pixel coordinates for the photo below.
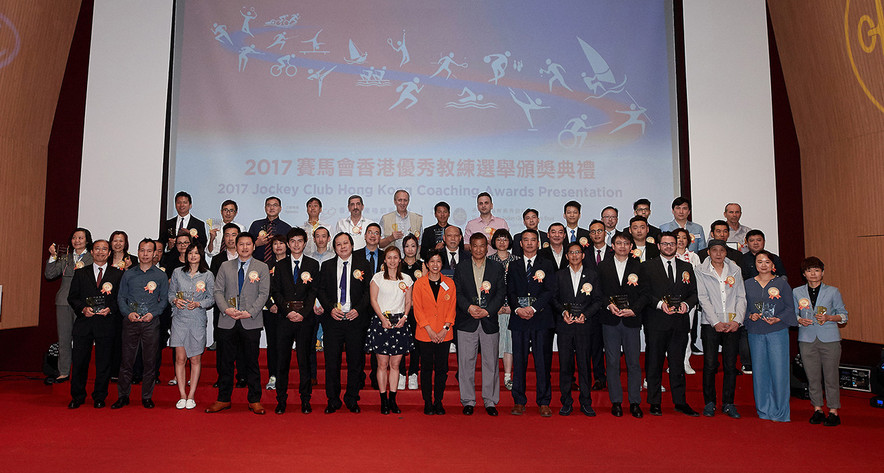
(305, 407)
(329, 409)
(599, 384)
(832, 420)
(280, 408)
(655, 410)
(241, 383)
(75, 404)
(429, 409)
(216, 384)
(98, 404)
(617, 410)
(147, 403)
(686, 410)
(49, 380)
(61, 380)
(492, 411)
(588, 411)
(566, 410)
(468, 410)
(636, 411)
(354, 408)
(121, 402)
(438, 409)
(817, 418)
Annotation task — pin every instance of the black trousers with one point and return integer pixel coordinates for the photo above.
(80, 366)
(745, 355)
(116, 348)
(165, 327)
(411, 364)
(271, 322)
(144, 336)
(229, 341)
(336, 341)
(526, 342)
(301, 333)
(597, 350)
(434, 369)
(573, 341)
(216, 314)
(665, 345)
(729, 343)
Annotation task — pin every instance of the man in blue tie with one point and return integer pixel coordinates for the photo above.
(374, 258)
(241, 290)
(343, 293)
(573, 232)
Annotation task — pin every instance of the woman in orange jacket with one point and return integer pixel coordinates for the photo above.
(434, 299)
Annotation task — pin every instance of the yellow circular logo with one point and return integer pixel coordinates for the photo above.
(864, 39)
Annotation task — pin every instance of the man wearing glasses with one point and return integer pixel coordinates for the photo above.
(609, 219)
(229, 209)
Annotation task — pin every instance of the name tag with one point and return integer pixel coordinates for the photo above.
(443, 285)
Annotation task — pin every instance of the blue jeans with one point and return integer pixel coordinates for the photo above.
(770, 374)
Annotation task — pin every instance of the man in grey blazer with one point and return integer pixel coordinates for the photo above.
(241, 289)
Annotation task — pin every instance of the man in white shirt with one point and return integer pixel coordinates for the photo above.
(732, 213)
(183, 221)
(229, 209)
(314, 209)
(354, 224)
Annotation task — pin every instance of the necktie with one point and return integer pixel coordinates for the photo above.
(528, 269)
(268, 248)
(343, 284)
(295, 272)
(453, 258)
(242, 275)
(598, 256)
(372, 262)
(98, 279)
(669, 271)
(573, 236)
(180, 223)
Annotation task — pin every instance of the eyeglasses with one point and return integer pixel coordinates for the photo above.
(575, 252)
(609, 217)
(668, 243)
(228, 211)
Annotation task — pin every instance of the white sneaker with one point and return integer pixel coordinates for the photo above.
(190, 404)
(271, 384)
(412, 381)
(403, 380)
(688, 369)
(452, 349)
(181, 404)
(645, 386)
(173, 382)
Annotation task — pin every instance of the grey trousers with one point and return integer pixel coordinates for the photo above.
(467, 350)
(65, 319)
(620, 338)
(821, 361)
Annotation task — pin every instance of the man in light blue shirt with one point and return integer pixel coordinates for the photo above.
(681, 210)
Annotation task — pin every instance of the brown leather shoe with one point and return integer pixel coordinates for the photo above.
(545, 411)
(518, 410)
(218, 406)
(257, 408)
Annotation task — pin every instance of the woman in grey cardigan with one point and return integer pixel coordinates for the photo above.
(820, 311)
(62, 264)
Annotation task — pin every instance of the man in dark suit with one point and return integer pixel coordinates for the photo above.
(374, 258)
(480, 294)
(555, 252)
(183, 221)
(343, 292)
(247, 279)
(293, 287)
(573, 232)
(531, 219)
(262, 230)
(597, 250)
(669, 291)
(642, 208)
(577, 302)
(621, 323)
(531, 286)
(719, 229)
(644, 247)
(453, 252)
(93, 298)
(432, 236)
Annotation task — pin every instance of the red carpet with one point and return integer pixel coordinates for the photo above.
(39, 433)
